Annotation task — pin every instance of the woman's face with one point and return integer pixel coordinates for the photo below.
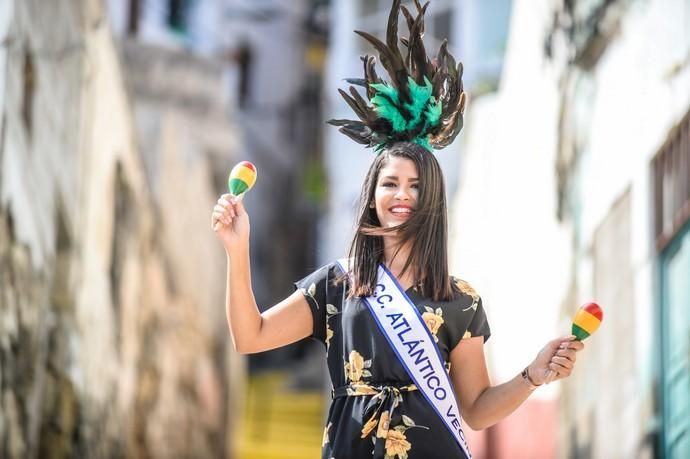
(397, 190)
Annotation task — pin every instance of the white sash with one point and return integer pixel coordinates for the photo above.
(408, 335)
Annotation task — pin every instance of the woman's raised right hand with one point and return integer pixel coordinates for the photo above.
(230, 222)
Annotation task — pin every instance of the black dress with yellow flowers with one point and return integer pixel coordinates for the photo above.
(377, 412)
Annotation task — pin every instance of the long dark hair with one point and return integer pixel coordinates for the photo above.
(426, 230)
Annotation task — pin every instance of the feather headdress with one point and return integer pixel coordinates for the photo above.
(424, 100)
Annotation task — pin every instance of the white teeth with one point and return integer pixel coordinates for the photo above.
(401, 210)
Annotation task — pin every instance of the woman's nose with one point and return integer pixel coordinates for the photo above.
(402, 193)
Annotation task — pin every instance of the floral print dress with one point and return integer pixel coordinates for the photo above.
(377, 412)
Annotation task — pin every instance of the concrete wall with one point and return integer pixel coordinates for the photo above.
(112, 336)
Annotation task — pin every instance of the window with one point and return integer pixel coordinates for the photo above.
(671, 169)
(178, 15)
(671, 173)
(675, 337)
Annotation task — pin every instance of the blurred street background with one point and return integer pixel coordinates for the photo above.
(122, 118)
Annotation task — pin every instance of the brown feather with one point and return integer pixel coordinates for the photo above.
(356, 135)
(387, 60)
(340, 122)
(408, 17)
(353, 105)
(440, 72)
(450, 127)
(392, 30)
(399, 75)
(417, 60)
(369, 114)
(443, 72)
(370, 75)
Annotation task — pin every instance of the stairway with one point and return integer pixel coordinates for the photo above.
(278, 422)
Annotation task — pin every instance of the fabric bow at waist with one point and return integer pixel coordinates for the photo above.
(379, 412)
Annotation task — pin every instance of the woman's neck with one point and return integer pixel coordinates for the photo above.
(395, 257)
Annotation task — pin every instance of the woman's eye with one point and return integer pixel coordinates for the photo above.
(415, 185)
(387, 184)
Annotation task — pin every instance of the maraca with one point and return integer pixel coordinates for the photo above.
(586, 321)
(242, 178)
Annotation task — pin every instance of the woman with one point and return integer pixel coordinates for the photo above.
(381, 407)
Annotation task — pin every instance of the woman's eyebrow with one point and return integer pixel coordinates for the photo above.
(395, 177)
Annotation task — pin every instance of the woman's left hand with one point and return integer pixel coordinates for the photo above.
(556, 360)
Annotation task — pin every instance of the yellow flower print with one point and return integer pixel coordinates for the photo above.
(397, 444)
(433, 320)
(361, 389)
(329, 335)
(356, 367)
(369, 426)
(330, 312)
(384, 425)
(310, 292)
(467, 289)
(325, 434)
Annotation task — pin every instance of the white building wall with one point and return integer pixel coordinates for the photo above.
(638, 91)
(508, 242)
(638, 99)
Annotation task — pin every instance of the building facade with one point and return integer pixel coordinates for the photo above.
(623, 175)
(574, 188)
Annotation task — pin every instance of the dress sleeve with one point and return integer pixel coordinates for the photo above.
(469, 318)
(314, 287)
(479, 325)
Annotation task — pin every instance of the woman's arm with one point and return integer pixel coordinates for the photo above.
(286, 322)
(483, 405)
(251, 331)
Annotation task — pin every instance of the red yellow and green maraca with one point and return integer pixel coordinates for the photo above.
(242, 178)
(587, 320)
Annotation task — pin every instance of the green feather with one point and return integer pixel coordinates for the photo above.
(423, 141)
(433, 112)
(386, 102)
(386, 90)
(423, 108)
(390, 112)
(420, 97)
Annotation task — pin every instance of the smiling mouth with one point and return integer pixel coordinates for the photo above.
(403, 212)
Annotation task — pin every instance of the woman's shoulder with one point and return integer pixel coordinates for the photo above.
(330, 273)
(332, 267)
(467, 315)
(467, 295)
